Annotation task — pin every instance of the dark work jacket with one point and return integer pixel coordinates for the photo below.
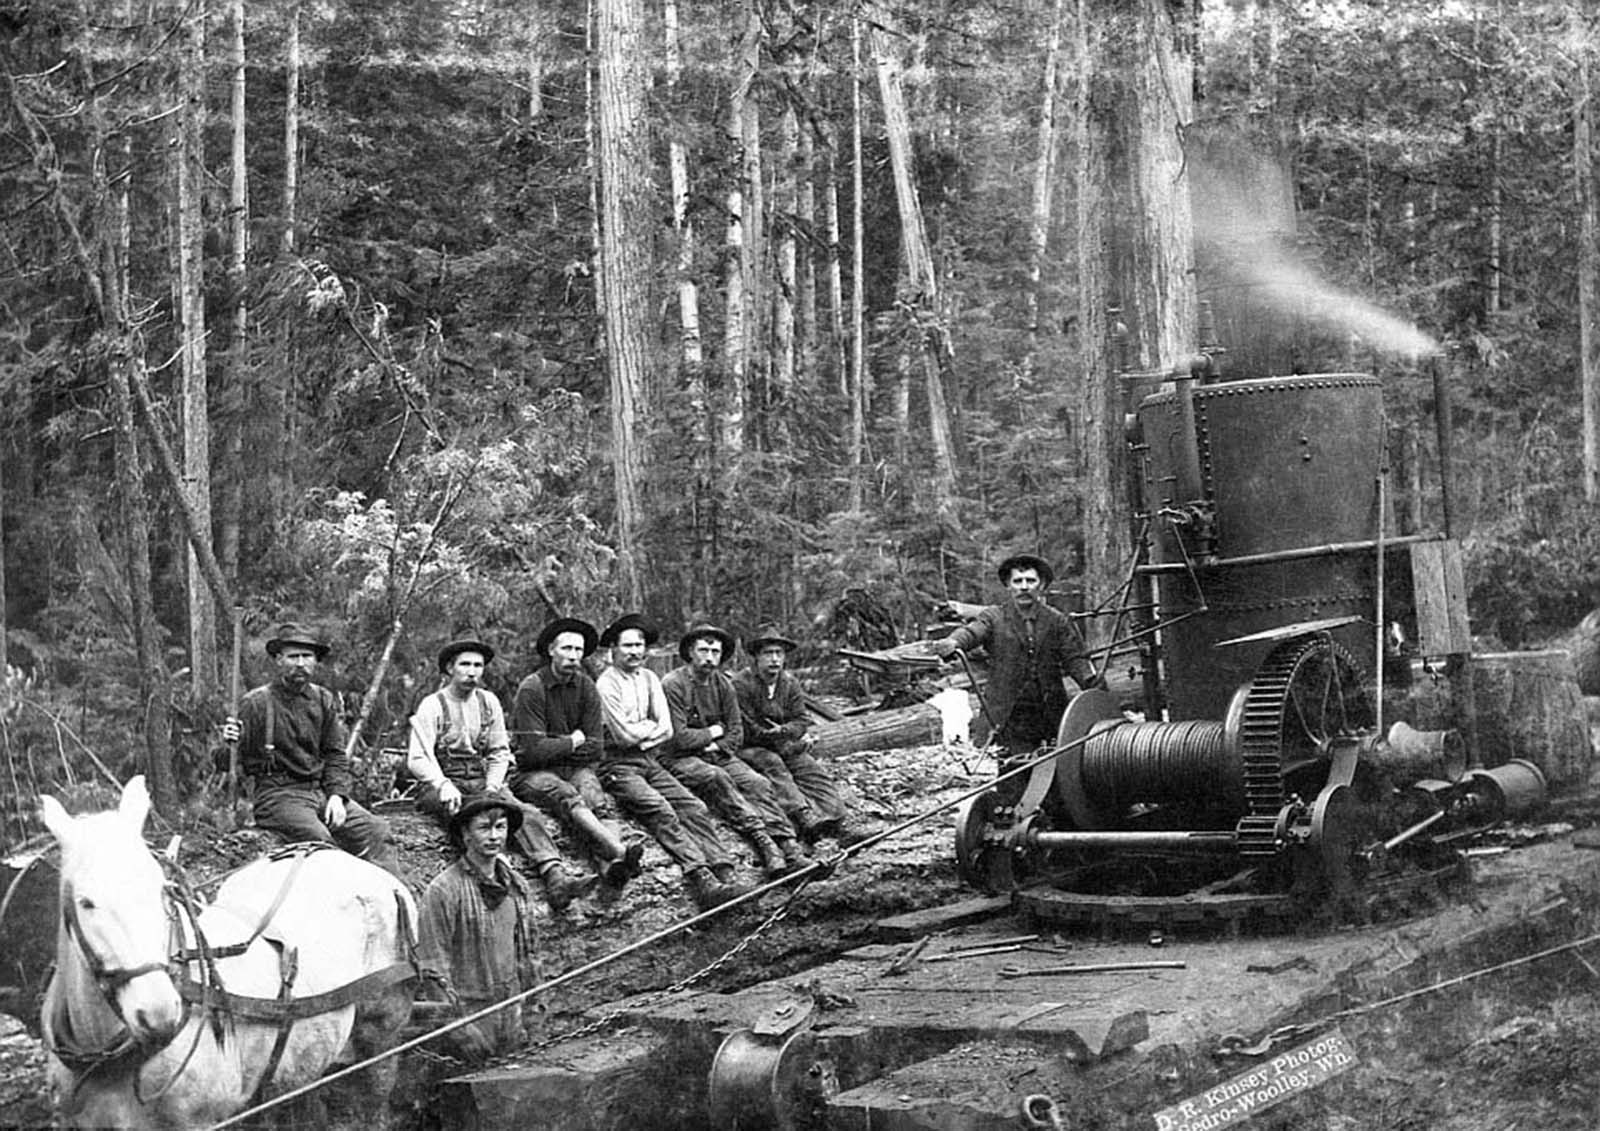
(544, 714)
(307, 737)
(1058, 650)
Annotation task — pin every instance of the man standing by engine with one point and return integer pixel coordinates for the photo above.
(707, 734)
(557, 729)
(1033, 651)
(459, 750)
(291, 740)
(778, 742)
(638, 728)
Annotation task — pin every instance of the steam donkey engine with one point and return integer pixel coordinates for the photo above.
(1267, 601)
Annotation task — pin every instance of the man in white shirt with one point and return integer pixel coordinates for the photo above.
(638, 725)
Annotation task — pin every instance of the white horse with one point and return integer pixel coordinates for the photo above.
(162, 1013)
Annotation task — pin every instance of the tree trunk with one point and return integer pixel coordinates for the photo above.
(1586, 168)
(1044, 182)
(858, 291)
(291, 127)
(239, 352)
(190, 161)
(806, 335)
(1135, 237)
(626, 232)
(785, 197)
(922, 287)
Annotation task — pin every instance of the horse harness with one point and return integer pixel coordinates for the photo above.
(208, 992)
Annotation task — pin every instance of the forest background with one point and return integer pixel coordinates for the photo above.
(413, 317)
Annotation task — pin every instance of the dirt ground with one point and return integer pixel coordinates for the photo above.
(1517, 1052)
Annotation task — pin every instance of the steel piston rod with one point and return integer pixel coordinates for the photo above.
(1201, 840)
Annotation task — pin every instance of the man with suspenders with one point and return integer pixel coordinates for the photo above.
(459, 749)
(291, 738)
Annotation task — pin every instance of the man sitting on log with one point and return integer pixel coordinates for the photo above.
(459, 751)
(707, 734)
(778, 742)
(292, 740)
(1033, 651)
(557, 729)
(638, 726)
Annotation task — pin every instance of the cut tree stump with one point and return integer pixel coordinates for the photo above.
(1528, 706)
(1584, 645)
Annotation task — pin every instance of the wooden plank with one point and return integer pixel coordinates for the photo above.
(915, 924)
(1439, 590)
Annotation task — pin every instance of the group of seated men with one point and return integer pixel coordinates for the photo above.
(667, 752)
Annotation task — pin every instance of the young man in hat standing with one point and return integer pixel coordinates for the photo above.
(477, 944)
(556, 722)
(1033, 651)
(778, 742)
(638, 727)
(707, 734)
(459, 750)
(291, 740)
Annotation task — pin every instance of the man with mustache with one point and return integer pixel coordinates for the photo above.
(459, 750)
(291, 740)
(556, 720)
(707, 735)
(1033, 651)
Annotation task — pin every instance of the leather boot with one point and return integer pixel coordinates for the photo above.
(561, 886)
(625, 867)
(853, 830)
(707, 892)
(795, 855)
(773, 861)
(724, 872)
(810, 828)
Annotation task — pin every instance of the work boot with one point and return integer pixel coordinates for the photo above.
(811, 827)
(562, 886)
(773, 861)
(724, 872)
(795, 855)
(625, 867)
(707, 892)
(854, 830)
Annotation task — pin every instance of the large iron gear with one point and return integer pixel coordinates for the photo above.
(1307, 694)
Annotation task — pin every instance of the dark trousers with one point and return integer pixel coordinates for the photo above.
(532, 838)
(735, 792)
(803, 786)
(1027, 727)
(293, 810)
(678, 820)
(561, 789)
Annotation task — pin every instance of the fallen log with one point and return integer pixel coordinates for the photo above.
(916, 725)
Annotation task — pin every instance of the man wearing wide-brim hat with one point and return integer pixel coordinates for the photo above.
(291, 738)
(1034, 650)
(459, 751)
(557, 729)
(638, 729)
(476, 936)
(707, 735)
(778, 741)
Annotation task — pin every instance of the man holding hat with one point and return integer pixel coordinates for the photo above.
(1033, 651)
(477, 943)
(638, 728)
(556, 720)
(778, 741)
(707, 734)
(291, 740)
(459, 751)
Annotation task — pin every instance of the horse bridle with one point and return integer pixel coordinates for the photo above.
(108, 978)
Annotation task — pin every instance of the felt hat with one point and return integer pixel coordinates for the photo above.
(448, 654)
(765, 635)
(292, 633)
(591, 638)
(480, 803)
(1026, 561)
(616, 628)
(696, 631)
